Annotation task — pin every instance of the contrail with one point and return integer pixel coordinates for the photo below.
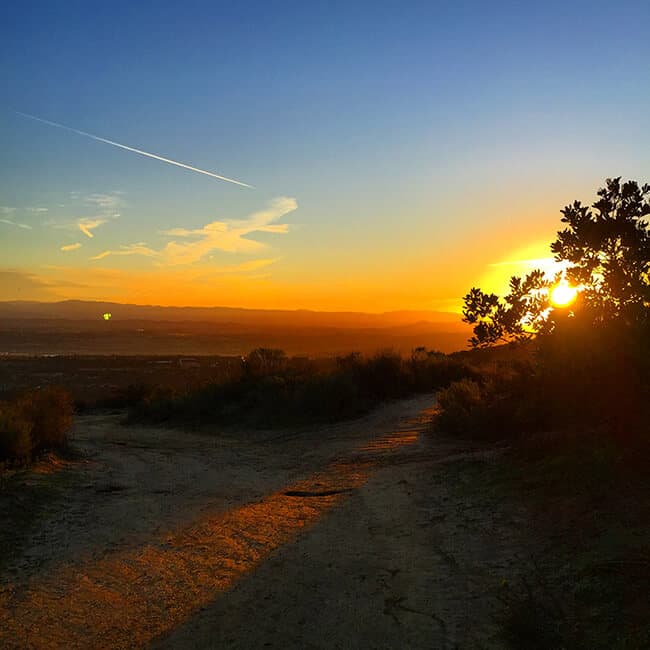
(134, 150)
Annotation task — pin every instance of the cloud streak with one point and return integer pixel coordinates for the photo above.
(228, 236)
(8, 211)
(88, 225)
(129, 249)
(134, 150)
(71, 247)
(104, 201)
(548, 265)
(9, 222)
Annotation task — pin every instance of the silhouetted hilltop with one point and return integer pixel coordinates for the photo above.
(90, 310)
(77, 327)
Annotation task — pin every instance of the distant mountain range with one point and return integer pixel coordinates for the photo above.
(89, 310)
(78, 327)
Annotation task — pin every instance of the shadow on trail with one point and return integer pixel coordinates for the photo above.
(128, 598)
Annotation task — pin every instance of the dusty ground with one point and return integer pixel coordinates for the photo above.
(358, 535)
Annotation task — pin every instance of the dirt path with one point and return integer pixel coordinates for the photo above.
(356, 535)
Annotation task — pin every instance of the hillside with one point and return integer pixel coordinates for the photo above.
(77, 327)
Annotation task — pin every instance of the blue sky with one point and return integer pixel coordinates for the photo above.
(421, 143)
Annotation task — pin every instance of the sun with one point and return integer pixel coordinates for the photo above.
(563, 294)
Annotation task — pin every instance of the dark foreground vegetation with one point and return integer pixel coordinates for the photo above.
(270, 389)
(575, 426)
(566, 396)
(34, 422)
(573, 405)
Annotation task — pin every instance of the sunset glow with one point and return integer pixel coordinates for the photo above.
(311, 313)
(372, 174)
(563, 294)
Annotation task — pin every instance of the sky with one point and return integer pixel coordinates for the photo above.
(391, 155)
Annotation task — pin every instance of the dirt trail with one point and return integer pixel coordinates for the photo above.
(342, 536)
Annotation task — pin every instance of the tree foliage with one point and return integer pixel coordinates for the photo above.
(607, 251)
(262, 362)
(518, 315)
(608, 248)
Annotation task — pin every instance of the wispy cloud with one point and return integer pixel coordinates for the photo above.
(103, 208)
(71, 247)
(548, 265)
(38, 209)
(134, 150)
(10, 222)
(104, 201)
(129, 249)
(88, 225)
(228, 235)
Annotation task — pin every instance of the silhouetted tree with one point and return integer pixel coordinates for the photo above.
(519, 315)
(608, 251)
(265, 361)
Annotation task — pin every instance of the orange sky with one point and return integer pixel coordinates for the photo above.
(422, 284)
(326, 157)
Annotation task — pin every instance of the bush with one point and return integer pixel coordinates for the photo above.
(263, 362)
(126, 397)
(504, 403)
(331, 397)
(597, 376)
(49, 411)
(461, 407)
(276, 390)
(593, 380)
(15, 434)
(36, 421)
(438, 371)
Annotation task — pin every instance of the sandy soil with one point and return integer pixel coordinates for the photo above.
(358, 535)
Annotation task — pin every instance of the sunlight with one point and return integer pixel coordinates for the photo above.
(520, 262)
(563, 294)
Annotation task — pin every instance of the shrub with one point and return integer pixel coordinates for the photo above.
(597, 376)
(275, 390)
(503, 403)
(262, 362)
(461, 407)
(331, 396)
(382, 376)
(49, 412)
(127, 397)
(36, 421)
(15, 434)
